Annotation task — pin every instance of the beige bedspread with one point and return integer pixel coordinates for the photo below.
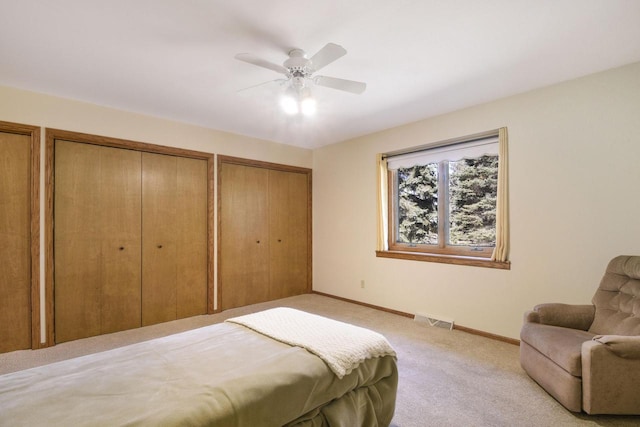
(221, 375)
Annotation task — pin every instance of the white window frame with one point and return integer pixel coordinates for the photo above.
(472, 146)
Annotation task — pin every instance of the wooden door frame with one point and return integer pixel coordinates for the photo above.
(271, 166)
(33, 132)
(51, 136)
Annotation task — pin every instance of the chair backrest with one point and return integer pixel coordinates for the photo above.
(617, 300)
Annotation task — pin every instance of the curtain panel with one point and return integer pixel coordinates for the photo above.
(383, 206)
(501, 251)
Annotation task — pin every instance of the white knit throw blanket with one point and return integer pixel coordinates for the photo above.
(340, 345)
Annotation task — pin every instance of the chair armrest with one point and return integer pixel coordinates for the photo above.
(627, 347)
(611, 374)
(564, 315)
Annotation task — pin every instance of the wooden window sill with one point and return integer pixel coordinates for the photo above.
(445, 259)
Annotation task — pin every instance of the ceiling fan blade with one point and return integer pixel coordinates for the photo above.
(325, 56)
(270, 85)
(340, 84)
(251, 59)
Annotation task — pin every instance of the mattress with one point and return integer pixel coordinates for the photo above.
(221, 375)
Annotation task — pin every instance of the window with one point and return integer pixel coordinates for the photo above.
(443, 202)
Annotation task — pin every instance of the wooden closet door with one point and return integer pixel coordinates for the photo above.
(121, 235)
(174, 224)
(191, 239)
(288, 228)
(96, 240)
(159, 248)
(243, 270)
(15, 237)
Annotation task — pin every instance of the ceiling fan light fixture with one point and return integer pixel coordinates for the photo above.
(298, 100)
(308, 106)
(289, 105)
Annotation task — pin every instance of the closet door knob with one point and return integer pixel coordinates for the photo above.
(257, 241)
(159, 246)
(279, 240)
(121, 248)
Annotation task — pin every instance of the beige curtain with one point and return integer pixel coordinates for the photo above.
(501, 251)
(383, 212)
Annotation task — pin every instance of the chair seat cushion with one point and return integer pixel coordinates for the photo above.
(561, 345)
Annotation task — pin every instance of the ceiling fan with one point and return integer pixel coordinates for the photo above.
(299, 71)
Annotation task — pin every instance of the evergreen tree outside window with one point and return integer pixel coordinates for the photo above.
(473, 190)
(418, 204)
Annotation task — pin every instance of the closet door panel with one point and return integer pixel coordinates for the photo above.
(15, 235)
(96, 240)
(77, 242)
(159, 251)
(191, 238)
(120, 198)
(244, 252)
(288, 225)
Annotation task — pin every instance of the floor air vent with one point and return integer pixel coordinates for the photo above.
(431, 320)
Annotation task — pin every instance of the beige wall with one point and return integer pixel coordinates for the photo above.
(47, 111)
(574, 199)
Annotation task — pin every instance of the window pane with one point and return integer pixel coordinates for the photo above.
(418, 204)
(473, 187)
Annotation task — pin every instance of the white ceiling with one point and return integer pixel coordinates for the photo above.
(175, 58)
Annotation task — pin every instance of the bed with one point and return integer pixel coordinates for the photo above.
(279, 367)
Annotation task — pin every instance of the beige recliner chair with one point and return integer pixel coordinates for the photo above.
(588, 356)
